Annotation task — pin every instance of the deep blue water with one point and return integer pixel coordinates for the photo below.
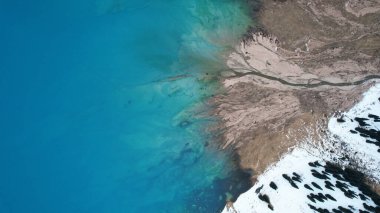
(91, 119)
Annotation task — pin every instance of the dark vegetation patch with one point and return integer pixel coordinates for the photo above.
(316, 185)
(259, 189)
(265, 198)
(290, 181)
(354, 178)
(329, 185)
(308, 187)
(372, 135)
(319, 175)
(273, 185)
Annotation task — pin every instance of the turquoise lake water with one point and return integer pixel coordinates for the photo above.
(92, 118)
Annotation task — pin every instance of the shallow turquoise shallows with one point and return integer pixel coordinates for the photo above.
(103, 105)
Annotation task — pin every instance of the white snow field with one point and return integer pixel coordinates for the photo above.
(304, 180)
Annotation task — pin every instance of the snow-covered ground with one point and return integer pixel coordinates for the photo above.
(300, 182)
(359, 128)
(304, 181)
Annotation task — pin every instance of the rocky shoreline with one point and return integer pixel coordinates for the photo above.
(303, 62)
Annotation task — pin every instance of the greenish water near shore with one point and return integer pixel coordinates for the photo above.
(92, 118)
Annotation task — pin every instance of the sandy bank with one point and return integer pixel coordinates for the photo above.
(302, 63)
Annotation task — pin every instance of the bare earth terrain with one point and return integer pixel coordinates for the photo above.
(304, 61)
